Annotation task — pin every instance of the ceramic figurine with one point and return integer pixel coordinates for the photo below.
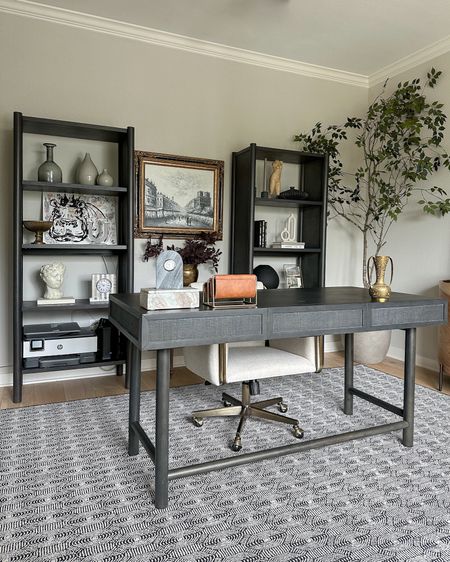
(275, 179)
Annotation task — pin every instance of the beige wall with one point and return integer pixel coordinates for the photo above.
(179, 103)
(420, 244)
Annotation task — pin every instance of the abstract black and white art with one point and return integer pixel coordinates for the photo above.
(80, 219)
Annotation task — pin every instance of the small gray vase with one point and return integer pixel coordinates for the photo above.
(49, 171)
(105, 179)
(87, 171)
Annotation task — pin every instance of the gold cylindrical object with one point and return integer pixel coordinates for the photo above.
(380, 291)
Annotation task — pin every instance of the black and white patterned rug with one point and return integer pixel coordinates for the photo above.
(69, 491)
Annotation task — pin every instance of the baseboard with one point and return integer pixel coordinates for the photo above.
(421, 361)
(148, 364)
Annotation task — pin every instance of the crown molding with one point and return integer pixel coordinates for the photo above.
(411, 61)
(134, 32)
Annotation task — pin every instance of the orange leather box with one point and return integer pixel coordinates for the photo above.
(234, 286)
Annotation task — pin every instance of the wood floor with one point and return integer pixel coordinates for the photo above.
(47, 393)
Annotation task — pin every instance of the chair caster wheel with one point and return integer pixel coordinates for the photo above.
(298, 431)
(198, 422)
(226, 403)
(237, 445)
(282, 407)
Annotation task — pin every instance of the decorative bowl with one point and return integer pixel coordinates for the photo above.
(38, 227)
(293, 193)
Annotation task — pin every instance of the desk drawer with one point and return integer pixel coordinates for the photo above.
(179, 332)
(298, 323)
(398, 316)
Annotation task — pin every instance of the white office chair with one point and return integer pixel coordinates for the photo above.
(226, 363)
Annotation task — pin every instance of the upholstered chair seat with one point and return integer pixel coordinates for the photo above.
(248, 363)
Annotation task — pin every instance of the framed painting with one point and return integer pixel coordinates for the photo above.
(178, 196)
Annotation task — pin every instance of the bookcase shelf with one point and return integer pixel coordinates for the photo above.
(310, 213)
(124, 139)
(71, 188)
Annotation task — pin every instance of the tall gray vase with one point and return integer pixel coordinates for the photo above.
(49, 171)
(87, 171)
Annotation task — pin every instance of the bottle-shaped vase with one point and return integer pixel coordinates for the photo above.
(379, 291)
(87, 171)
(105, 179)
(49, 171)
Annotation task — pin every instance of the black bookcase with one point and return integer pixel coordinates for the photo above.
(311, 213)
(124, 139)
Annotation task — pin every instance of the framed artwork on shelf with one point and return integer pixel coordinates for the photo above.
(178, 196)
(293, 276)
(80, 219)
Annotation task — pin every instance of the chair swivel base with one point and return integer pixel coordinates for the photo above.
(245, 409)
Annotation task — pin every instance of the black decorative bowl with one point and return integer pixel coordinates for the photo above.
(293, 193)
(267, 275)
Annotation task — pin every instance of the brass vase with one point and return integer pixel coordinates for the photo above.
(190, 274)
(379, 291)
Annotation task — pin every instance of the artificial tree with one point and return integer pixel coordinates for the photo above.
(400, 142)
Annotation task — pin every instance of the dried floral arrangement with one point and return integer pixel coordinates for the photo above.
(197, 250)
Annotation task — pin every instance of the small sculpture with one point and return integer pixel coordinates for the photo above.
(53, 275)
(288, 232)
(275, 178)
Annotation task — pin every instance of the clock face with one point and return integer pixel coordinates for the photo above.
(169, 265)
(104, 285)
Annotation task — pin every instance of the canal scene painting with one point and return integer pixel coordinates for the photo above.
(178, 196)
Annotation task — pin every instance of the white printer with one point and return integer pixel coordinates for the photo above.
(58, 345)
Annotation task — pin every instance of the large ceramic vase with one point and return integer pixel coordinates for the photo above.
(87, 171)
(444, 334)
(49, 171)
(190, 274)
(370, 348)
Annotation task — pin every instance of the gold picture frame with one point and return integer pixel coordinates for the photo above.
(177, 196)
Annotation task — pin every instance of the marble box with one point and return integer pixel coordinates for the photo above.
(161, 299)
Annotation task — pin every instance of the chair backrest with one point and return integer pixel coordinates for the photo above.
(210, 361)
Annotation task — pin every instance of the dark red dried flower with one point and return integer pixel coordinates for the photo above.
(197, 250)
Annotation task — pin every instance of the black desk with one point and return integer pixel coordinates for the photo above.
(281, 313)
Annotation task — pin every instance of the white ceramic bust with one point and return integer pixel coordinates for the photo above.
(53, 275)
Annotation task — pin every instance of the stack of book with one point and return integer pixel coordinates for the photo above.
(293, 245)
(260, 234)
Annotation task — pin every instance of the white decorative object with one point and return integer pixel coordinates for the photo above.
(287, 236)
(105, 179)
(53, 275)
(288, 232)
(87, 171)
(163, 299)
(103, 285)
